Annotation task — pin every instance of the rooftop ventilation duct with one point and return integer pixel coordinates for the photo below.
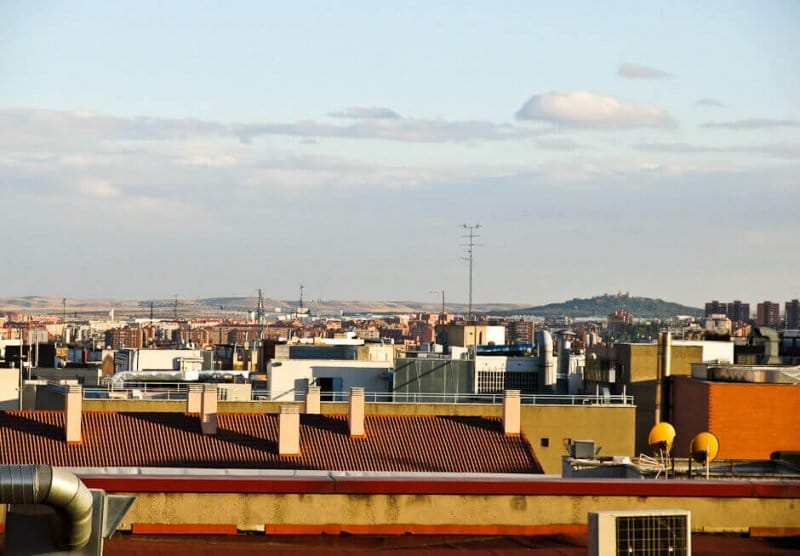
(61, 490)
(79, 520)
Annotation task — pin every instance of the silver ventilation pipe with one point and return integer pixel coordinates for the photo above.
(59, 489)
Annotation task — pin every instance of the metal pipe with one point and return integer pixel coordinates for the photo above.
(59, 489)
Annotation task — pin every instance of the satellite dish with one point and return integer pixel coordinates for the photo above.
(661, 437)
(704, 448)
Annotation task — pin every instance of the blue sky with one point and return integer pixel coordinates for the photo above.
(213, 148)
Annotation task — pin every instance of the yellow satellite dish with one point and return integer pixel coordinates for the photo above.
(704, 448)
(661, 437)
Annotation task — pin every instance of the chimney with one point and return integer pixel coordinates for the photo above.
(73, 399)
(208, 409)
(289, 431)
(355, 415)
(194, 398)
(511, 409)
(313, 400)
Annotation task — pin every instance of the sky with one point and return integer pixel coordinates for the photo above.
(215, 148)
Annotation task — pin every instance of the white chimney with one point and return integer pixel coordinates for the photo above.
(313, 400)
(73, 400)
(511, 413)
(208, 409)
(289, 431)
(194, 396)
(355, 415)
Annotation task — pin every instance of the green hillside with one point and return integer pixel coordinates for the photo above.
(600, 306)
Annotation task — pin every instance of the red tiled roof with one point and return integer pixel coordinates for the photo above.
(393, 443)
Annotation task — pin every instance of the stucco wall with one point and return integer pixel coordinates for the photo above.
(257, 512)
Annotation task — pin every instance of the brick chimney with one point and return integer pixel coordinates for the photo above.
(355, 415)
(511, 413)
(194, 396)
(289, 431)
(313, 400)
(73, 400)
(208, 409)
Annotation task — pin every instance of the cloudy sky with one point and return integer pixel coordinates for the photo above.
(213, 148)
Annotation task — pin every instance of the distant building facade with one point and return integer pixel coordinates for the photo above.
(793, 314)
(768, 314)
(735, 310)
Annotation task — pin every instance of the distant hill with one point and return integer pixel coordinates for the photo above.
(230, 306)
(600, 306)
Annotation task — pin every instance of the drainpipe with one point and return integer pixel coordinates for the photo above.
(59, 489)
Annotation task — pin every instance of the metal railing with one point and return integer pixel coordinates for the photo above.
(178, 391)
(138, 391)
(455, 398)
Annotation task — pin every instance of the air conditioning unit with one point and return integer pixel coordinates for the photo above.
(640, 532)
(581, 449)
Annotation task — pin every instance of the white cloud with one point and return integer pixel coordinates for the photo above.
(753, 123)
(366, 113)
(635, 71)
(97, 188)
(398, 129)
(76, 129)
(777, 150)
(587, 110)
(707, 101)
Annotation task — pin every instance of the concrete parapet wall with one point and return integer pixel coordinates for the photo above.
(447, 505)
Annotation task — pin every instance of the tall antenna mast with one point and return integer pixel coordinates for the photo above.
(301, 296)
(260, 315)
(64, 305)
(151, 312)
(176, 306)
(470, 235)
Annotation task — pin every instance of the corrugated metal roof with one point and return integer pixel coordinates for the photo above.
(393, 443)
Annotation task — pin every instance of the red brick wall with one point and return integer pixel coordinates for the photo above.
(750, 420)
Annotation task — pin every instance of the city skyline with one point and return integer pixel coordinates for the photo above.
(149, 149)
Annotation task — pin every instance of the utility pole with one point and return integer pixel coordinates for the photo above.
(441, 315)
(470, 235)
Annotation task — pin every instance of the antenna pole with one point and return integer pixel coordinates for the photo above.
(470, 235)
(260, 315)
(176, 307)
(441, 315)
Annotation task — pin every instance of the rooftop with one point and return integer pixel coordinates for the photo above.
(392, 444)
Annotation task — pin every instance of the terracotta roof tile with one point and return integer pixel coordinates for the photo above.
(393, 443)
